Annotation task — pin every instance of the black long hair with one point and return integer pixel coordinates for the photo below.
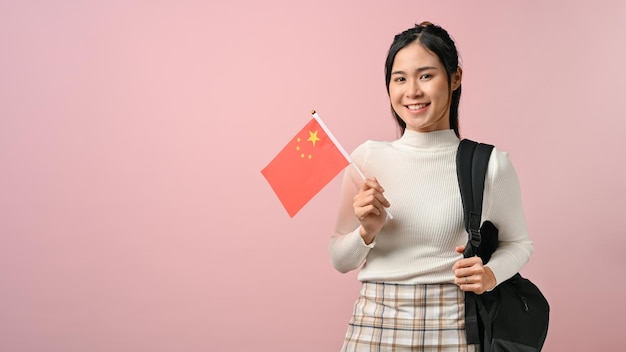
(438, 41)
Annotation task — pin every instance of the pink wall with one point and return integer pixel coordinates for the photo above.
(133, 216)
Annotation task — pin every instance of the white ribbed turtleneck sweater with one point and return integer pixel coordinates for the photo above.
(418, 173)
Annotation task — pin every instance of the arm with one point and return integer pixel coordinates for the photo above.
(361, 216)
(503, 206)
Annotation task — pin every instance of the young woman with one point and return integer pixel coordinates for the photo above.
(412, 271)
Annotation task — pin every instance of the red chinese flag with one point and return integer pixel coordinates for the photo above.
(305, 165)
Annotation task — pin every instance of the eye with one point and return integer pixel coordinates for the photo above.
(399, 79)
(426, 76)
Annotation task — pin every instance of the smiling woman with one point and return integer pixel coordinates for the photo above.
(420, 90)
(413, 274)
(432, 50)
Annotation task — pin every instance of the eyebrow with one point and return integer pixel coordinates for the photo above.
(419, 69)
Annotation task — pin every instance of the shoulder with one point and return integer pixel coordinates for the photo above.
(501, 167)
(499, 159)
(500, 164)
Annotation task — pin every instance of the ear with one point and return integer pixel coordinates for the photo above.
(455, 82)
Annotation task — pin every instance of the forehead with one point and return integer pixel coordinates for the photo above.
(415, 55)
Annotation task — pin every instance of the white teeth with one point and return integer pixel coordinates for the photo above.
(416, 107)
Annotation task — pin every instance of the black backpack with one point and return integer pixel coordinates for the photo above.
(514, 316)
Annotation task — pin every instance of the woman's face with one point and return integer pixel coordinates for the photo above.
(419, 90)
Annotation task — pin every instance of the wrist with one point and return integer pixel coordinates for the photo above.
(367, 238)
(491, 282)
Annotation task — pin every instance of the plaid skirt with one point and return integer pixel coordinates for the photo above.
(401, 317)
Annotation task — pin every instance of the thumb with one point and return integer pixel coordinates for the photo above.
(460, 249)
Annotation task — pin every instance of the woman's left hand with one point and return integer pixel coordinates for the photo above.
(471, 275)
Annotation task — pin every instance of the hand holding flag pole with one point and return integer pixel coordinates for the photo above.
(306, 164)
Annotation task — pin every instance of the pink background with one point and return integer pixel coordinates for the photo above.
(133, 214)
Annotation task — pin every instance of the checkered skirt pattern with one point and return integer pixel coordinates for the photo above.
(401, 317)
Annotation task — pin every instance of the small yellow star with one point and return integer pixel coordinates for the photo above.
(313, 137)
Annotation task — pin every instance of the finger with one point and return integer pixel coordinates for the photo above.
(471, 283)
(373, 209)
(366, 194)
(363, 212)
(367, 199)
(472, 286)
(465, 281)
(459, 264)
(371, 194)
(382, 200)
(475, 269)
(372, 183)
(462, 273)
(467, 262)
(460, 249)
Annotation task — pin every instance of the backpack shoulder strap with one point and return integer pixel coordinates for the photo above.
(472, 160)
(464, 156)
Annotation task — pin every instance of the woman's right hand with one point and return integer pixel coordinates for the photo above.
(369, 207)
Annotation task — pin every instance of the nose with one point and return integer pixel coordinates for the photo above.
(413, 89)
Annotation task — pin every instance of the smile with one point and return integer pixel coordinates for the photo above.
(417, 106)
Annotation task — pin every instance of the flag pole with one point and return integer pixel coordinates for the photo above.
(336, 142)
(343, 151)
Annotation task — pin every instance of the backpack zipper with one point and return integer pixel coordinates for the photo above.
(524, 303)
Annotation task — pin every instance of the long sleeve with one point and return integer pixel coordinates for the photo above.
(346, 248)
(502, 205)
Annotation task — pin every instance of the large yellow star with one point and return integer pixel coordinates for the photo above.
(313, 137)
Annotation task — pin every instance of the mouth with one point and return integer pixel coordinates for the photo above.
(416, 107)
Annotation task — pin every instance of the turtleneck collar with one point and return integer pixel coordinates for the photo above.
(429, 140)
